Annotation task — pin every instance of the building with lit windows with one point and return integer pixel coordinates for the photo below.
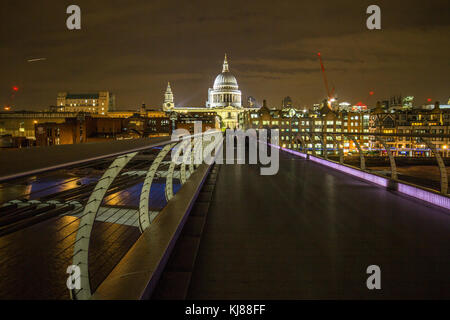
(377, 120)
(411, 121)
(95, 103)
(291, 122)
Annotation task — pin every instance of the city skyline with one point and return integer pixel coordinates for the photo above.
(185, 47)
(224, 157)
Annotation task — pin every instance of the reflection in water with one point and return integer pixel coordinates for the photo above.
(41, 187)
(46, 187)
(34, 260)
(29, 272)
(12, 192)
(131, 196)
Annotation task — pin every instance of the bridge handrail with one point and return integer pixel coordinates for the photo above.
(79, 162)
(137, 274)
(87, 160)
(379, 137)
(81, 248)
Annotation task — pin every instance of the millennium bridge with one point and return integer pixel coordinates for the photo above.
(123, 220)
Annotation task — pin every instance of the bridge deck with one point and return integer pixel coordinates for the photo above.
(310, 232)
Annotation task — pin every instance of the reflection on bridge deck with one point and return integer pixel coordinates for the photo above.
(311, 232)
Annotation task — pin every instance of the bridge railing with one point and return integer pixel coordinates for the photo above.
(338, 150)
(63, 231)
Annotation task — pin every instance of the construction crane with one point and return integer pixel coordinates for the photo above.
(330, 95)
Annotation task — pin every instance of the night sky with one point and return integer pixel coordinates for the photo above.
(134, 47)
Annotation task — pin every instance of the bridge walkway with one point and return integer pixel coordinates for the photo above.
(310, 232)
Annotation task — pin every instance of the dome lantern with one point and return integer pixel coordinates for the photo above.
(225, 64)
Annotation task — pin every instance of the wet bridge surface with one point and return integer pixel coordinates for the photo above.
(310, 233)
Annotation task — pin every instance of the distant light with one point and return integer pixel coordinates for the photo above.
(319, 54)
(16, 88)
(371, 93)
(37, 59)
(429, 99)
(7, 108)
(444, 146)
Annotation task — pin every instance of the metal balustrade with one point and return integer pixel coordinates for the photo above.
(90, 220)
(307, 145)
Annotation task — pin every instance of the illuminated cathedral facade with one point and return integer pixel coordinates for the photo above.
(224, 98)
(225, 91)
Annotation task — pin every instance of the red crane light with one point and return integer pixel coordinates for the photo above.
(16, 88)
(325, 80)
(429, 99)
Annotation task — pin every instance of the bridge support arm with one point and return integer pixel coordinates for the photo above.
(361, 154)
(391, 158)
(144, 216)
(324, 146)
(187, 160)
(441, 164)
(169, 178)
(81, 247)
(300, 139)
(340, 151)
(313, 142)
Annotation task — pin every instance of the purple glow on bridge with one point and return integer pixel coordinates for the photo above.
(412, 191)
(354, 172)
(427, 196)
(296, 153)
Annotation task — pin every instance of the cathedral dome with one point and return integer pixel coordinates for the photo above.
(225, 92)
(225, 80)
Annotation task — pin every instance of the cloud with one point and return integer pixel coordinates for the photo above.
(134, 47)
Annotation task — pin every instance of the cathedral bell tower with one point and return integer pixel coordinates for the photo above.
(168, 104)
